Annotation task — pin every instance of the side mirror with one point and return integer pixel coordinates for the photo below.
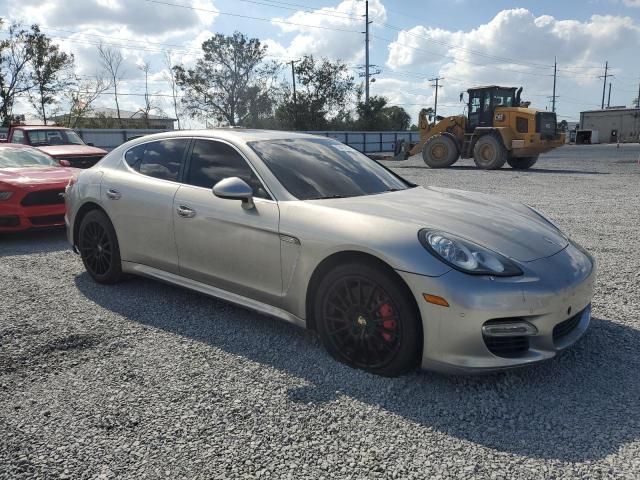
(64, 163)
(234, 188)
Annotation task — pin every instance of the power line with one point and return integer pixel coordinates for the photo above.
(238, 15)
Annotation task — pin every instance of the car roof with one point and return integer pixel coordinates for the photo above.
(39, 127)
(238, 134)
(14, 145)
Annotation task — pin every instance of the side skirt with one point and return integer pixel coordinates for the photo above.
(251, 304)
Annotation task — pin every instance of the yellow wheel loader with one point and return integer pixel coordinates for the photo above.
(498, 128)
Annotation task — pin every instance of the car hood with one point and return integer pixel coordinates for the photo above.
(508, 228)
(71, 150)
(36, 175)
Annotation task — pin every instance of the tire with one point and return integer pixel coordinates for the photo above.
(522, 163)
(99, 248)
(368, 319)
(489, 152)
(440, 151)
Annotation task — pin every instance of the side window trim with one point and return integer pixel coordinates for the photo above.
(182, 170)
(242, 155)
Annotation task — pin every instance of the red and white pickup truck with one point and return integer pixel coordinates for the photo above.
(59, 142)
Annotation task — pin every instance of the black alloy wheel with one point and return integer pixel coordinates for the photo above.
(99, 249)
(367, 321)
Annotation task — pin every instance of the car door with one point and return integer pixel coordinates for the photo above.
(139, 199)
(219, 242)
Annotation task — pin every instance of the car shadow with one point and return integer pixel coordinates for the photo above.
(581, 406)
(33, 241)
(506, 170)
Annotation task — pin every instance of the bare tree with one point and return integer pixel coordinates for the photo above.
(149, 104)
(15, 55)
(171, 79)
(82, 99)
(111, 60)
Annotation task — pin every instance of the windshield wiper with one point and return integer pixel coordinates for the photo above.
(332, 196)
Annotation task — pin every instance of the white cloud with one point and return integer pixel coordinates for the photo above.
(331, 31)
(518, 48)
(632, 3)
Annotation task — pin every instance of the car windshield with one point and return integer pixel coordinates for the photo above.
(54, 137)
(312, 168)
(25, 157)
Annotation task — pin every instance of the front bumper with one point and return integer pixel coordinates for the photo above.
(16, 218)
(552, 290)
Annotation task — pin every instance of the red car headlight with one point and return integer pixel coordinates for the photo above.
(5, 195)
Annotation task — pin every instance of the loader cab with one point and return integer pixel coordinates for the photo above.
(484, 100)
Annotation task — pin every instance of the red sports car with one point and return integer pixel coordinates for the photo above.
(32, 185)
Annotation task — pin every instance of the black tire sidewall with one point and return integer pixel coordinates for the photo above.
(522, 163)
(499, 158)
(114, 274)
(450, 158)
(407, 357)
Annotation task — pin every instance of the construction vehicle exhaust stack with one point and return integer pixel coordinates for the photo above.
(498, 128)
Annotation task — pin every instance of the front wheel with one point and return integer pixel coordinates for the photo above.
(489, 152)
(522, 163)
(368, 320)
(440, 151)
(99, 248)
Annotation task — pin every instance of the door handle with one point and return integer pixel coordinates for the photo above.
(113, 194)
(186, 212)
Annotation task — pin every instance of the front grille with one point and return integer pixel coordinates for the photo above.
(546, 125)
(563, 329)
(508, 347)
(82, 162)
(47, 220)
(9, 221)
(43, 197)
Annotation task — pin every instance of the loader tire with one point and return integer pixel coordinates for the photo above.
(522, 163)
(489, 153)
(440, 151)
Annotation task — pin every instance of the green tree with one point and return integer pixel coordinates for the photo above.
(230, 82)
(51, 71)
(324, 88)
(15, 55)
(378, 115)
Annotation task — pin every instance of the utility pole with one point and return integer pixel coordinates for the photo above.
(437, 85)
(295, 99)
(604, 85)
(366, 53)
(638, 99)
(609, 98)
(555, 70)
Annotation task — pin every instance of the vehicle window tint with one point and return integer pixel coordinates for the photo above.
(161, 159)
(17, 137)
(214, 161)
(312, 168)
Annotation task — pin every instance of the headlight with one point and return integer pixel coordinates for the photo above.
(466, 256)
(5, 195)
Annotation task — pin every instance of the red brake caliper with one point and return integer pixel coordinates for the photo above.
(388, 321)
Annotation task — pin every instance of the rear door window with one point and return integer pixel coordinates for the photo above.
(161, 159)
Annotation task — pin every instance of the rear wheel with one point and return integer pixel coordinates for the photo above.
(522, 163)
(440, 151)
(367, 319)
(489, 152)
(99, 248)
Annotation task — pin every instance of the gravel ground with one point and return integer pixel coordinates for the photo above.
(143, 380)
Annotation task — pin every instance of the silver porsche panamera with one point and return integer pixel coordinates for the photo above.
(391, 275)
